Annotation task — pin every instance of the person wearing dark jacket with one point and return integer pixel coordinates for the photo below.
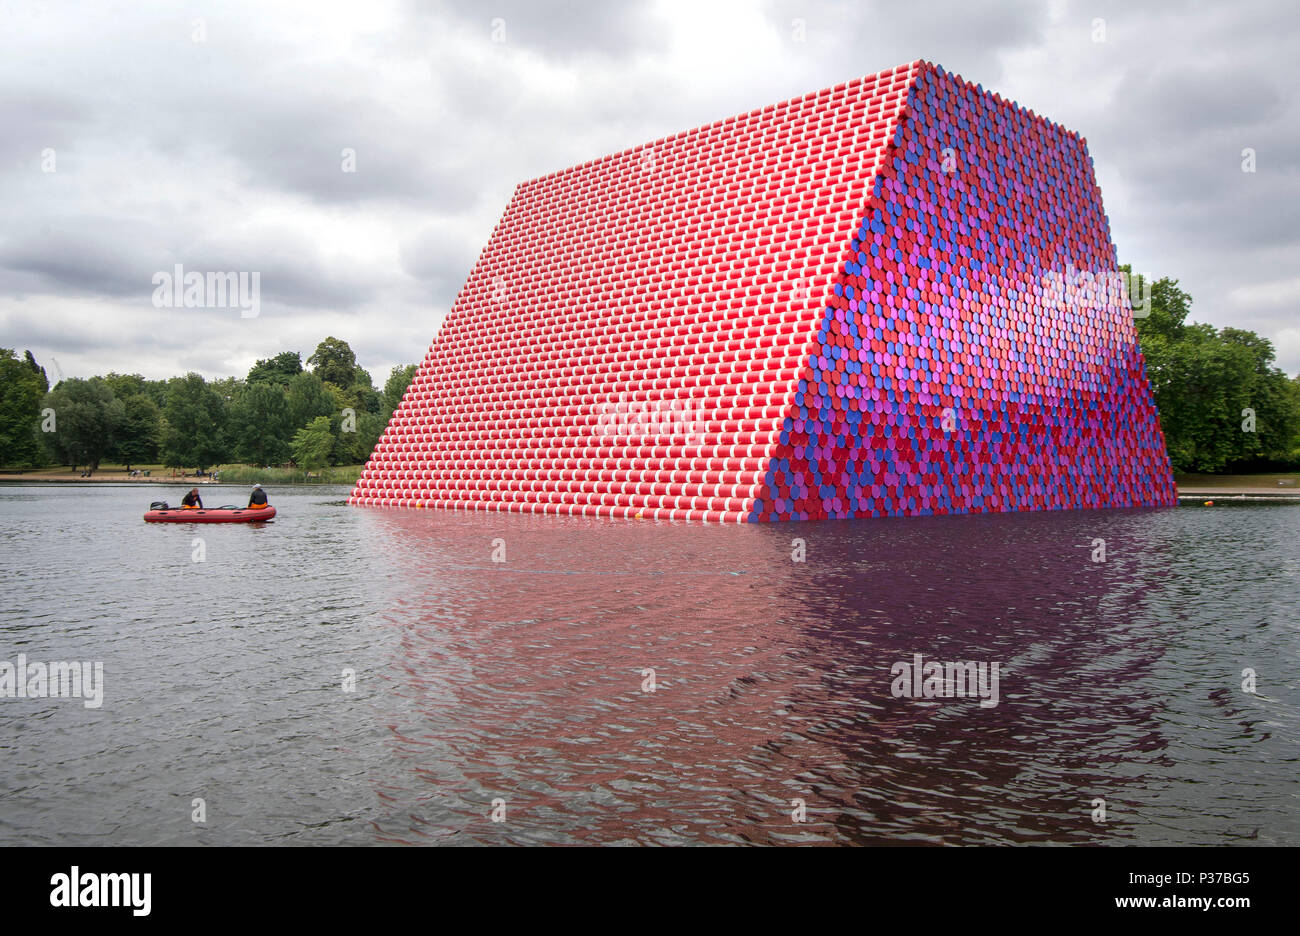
(192, 499)
(257, 498)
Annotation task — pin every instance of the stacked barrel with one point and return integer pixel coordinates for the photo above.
(841, 305)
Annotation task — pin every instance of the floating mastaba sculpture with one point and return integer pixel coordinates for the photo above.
(895, 296)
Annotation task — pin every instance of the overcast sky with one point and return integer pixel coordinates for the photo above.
(213, 134)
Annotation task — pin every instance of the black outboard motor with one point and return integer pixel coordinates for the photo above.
(159, 505)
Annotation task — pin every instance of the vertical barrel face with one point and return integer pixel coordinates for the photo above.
(863, 301)
(977, 351)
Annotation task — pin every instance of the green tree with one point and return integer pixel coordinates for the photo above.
(139, 438)
(355, 447)
(334, 362)
(1293, 392)
(356, 434)
(1207, 382)
(193, 434)
(228, 388)
(1201, 386)
(342, 415)
(1168, 313)
(125, 385)
(22, 385)
(37, 370)
(308, 398)
(312, 444)
(156, 390)
(1269, 400)
(395, 387)
(362, 395)
(277, 370)
(87, 417)
(259, 425)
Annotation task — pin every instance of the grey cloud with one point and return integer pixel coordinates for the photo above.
(300, 146)
(964, 37)
(1193, 101)
(34, 119)
(34, 327)
(564, 30)
(440, 253)
(92, 255)
(118, 257)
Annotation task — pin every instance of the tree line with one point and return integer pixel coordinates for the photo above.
(1224, 406)
(327, 413)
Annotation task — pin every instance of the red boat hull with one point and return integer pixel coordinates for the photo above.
(214, 515)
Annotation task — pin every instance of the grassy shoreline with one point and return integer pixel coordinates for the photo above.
(247, 474)
(1265, 482)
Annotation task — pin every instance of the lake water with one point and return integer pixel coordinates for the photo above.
(525, 682)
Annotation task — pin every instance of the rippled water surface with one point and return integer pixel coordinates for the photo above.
(524, 681)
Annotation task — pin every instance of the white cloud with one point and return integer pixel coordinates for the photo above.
(1270, 295)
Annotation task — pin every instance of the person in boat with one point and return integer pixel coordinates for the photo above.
(192, 500)
(257, 499)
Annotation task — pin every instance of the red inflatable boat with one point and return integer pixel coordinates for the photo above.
(210, 515)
